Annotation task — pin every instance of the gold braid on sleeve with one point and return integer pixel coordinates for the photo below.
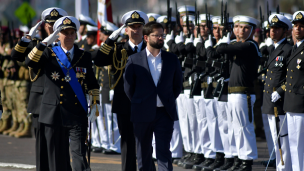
(118, 65)
(30, 73)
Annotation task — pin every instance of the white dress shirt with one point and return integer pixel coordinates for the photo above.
(299, 43)
(71, 52)
(133, 46)
(278, 43)
(155, 65)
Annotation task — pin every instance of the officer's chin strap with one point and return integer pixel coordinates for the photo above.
(276, 142)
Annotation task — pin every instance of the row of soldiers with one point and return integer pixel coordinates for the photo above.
(14, 86)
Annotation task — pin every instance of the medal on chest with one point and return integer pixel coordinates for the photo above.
(55, 75)
(298, 62)
(279, 61)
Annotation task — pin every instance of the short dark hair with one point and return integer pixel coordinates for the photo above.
(148, 28)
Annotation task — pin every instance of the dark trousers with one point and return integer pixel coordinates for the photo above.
(162, 127)
(57, 144)
(127, 142)
(40, 146)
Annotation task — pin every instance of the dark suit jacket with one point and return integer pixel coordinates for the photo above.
(141, 90)
(276, 76)
(60, 105)
(294, 94)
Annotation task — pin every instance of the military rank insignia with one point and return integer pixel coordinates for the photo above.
(298, 62)
(279, 61)
(55, 75)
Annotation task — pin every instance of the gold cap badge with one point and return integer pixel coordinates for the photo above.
(165, 20)
(275, 19)
(67, 21)
(299, 16)
(135, 15)
(151, 19)
(54, 13)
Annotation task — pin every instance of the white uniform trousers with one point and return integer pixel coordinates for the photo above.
(99, 133)
(176, 143)
(295, 126)
(222, 109)
(268, 135)
(284, 143)
(112, 129)
(183, 122)
(204, 138)
(191, 113)
(231, 139)
(213, 127)
(245, 139)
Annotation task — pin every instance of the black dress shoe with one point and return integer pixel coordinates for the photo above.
(194, 160)
(175, 160)
(183, 159)
(246, 165)
(97, 149)
(236, 164)
(228, 164)
(206, 163)
(109, 152)
(218, 162)
(272, 163)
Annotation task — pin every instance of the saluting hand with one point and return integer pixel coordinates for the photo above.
(52, 37)
(34, 30)
(116, 33)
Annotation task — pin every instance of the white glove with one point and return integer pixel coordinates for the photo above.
(227, 80)
(226, 39)
(269, 41)
(220, 79)
(189, 40)
(209, 80)
(52, 37)
(197, 40)
(262, 44)
(179, 38)
(34, 30)
(93, 116)
(208, 42)
(275, 96)
(116, 33)
(168, 38)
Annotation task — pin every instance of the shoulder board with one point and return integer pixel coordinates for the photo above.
(257, 48)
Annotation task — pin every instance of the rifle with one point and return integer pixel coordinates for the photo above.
(276, 114)
(117, 21)
(225, 19)
(268, 13)
(278, 9)
(178, 18)
(261, 25)
(198, 30)
(169, 10)
(187, 24)
(11, 42)
(208, 20)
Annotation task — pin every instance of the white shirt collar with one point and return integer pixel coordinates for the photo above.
(278, 43)
(71, 51)
(149, 54)
(133, 46)
(299, 43)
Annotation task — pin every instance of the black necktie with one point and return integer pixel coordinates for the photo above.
(68, 55)
(135, 49)
(294, 47)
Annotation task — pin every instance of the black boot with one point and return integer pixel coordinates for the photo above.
(272, 163)
(206, 163)
(197, 159)
(246, 165)
(228, 164)
(182, 160)
(218, 162)
(236, 164)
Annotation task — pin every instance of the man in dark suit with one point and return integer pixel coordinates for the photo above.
(275, 77)
(294, 94)
(133, 21)
(68, 77)
(153, 81)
